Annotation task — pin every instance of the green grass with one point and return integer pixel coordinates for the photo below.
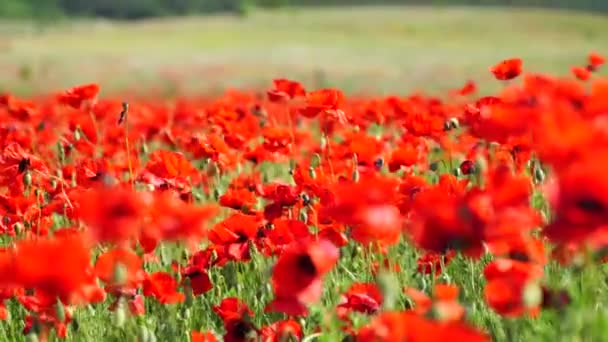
(377, 49)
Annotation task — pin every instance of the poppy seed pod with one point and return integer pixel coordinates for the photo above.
(434, 166)
(303, 216)
(60, 311)
(539, 174)
(27, 179)
(312, 173)
(356, 176)
(77, 134)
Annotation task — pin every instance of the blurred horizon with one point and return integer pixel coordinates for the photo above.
(362, 49)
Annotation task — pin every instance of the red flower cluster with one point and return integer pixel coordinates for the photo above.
(94, 190)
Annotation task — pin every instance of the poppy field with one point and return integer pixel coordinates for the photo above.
(299, 212)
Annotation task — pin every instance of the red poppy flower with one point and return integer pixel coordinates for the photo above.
(196, 272)
(323, 101)
(296, 277)
(57, 266)
(406, 155)
(74, 97)
(361, 297)
(506, 283)
(368, 206)
(163, 287)
(238, 199)
(235, 315)
(595, 61)
(431, 262)
(112, 214)
(582, 200)
(284, 90)
(232, 309)
(467, 89)
(507, 69)
(108, 264)
(282, 331)
(581, 73)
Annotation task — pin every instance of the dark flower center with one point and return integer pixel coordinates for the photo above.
(305, 265)
(590, 205)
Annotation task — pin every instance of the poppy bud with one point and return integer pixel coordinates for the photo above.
(306, 199)
(457, 172)
(60, 311)
(539, 174)
(324, 142)
(53, 184)
(60, 153)
(454, 122)
(434, 166)
(77, 135)
(216, 194)
(315, 161)
(532, 295)
(144, 147)
(27, 179)
(356, 176)
(303, 216)
(312, 173)
(74, 181)
(18, 227)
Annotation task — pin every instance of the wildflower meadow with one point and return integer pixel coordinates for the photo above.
(295, 212)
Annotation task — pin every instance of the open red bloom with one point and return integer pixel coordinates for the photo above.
(369, 207)
(57, 266)
(581, 73)
(323, 101)
(361, 297)
(296, 277)
(595, 61)
(506, 282)
(507, 69)
(467, 89)
(285, 89)
(163, 287)
(284, 330)
(108, 264)
(112, 214)
(232, 308)
(235, 315)
(74, 97)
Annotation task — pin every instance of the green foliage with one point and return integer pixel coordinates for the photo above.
(136, 9)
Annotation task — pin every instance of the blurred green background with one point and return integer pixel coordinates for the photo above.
(188, 45)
